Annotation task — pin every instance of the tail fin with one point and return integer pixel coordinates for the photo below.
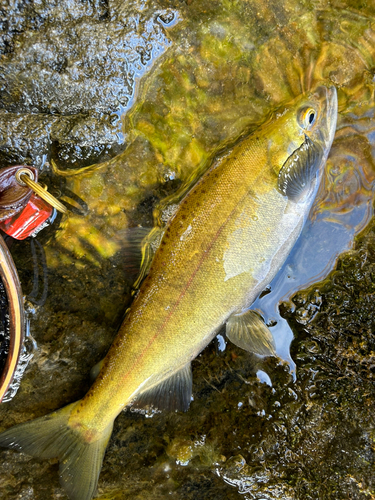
(51, 436)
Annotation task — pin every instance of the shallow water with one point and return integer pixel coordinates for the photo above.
(188, 79)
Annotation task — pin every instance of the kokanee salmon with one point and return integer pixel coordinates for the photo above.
(225, 243)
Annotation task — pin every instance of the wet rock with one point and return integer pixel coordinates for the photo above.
(67, 69)
(335, 368)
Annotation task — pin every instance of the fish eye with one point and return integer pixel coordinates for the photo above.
(307, 117)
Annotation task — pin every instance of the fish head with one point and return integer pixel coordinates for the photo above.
(300, 140)
(317, 117)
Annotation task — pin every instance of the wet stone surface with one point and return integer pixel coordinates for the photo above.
(67, 69)
(304, 439)
(334, 351)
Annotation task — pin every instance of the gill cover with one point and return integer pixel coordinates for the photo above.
(298, 174)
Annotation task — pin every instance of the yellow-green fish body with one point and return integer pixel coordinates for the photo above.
(225, 243)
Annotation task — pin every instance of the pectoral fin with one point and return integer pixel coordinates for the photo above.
(171, 394)
(248, 331)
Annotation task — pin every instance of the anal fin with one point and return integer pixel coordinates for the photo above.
(248, 331)
(173, 393)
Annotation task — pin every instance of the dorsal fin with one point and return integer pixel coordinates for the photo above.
(130, 241)
(149, 246)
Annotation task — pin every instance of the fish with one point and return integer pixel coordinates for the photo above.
(223, 245)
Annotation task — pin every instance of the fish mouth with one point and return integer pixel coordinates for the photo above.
(328, 99)
(331, 111)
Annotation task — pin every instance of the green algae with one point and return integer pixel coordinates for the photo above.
(230, 66)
